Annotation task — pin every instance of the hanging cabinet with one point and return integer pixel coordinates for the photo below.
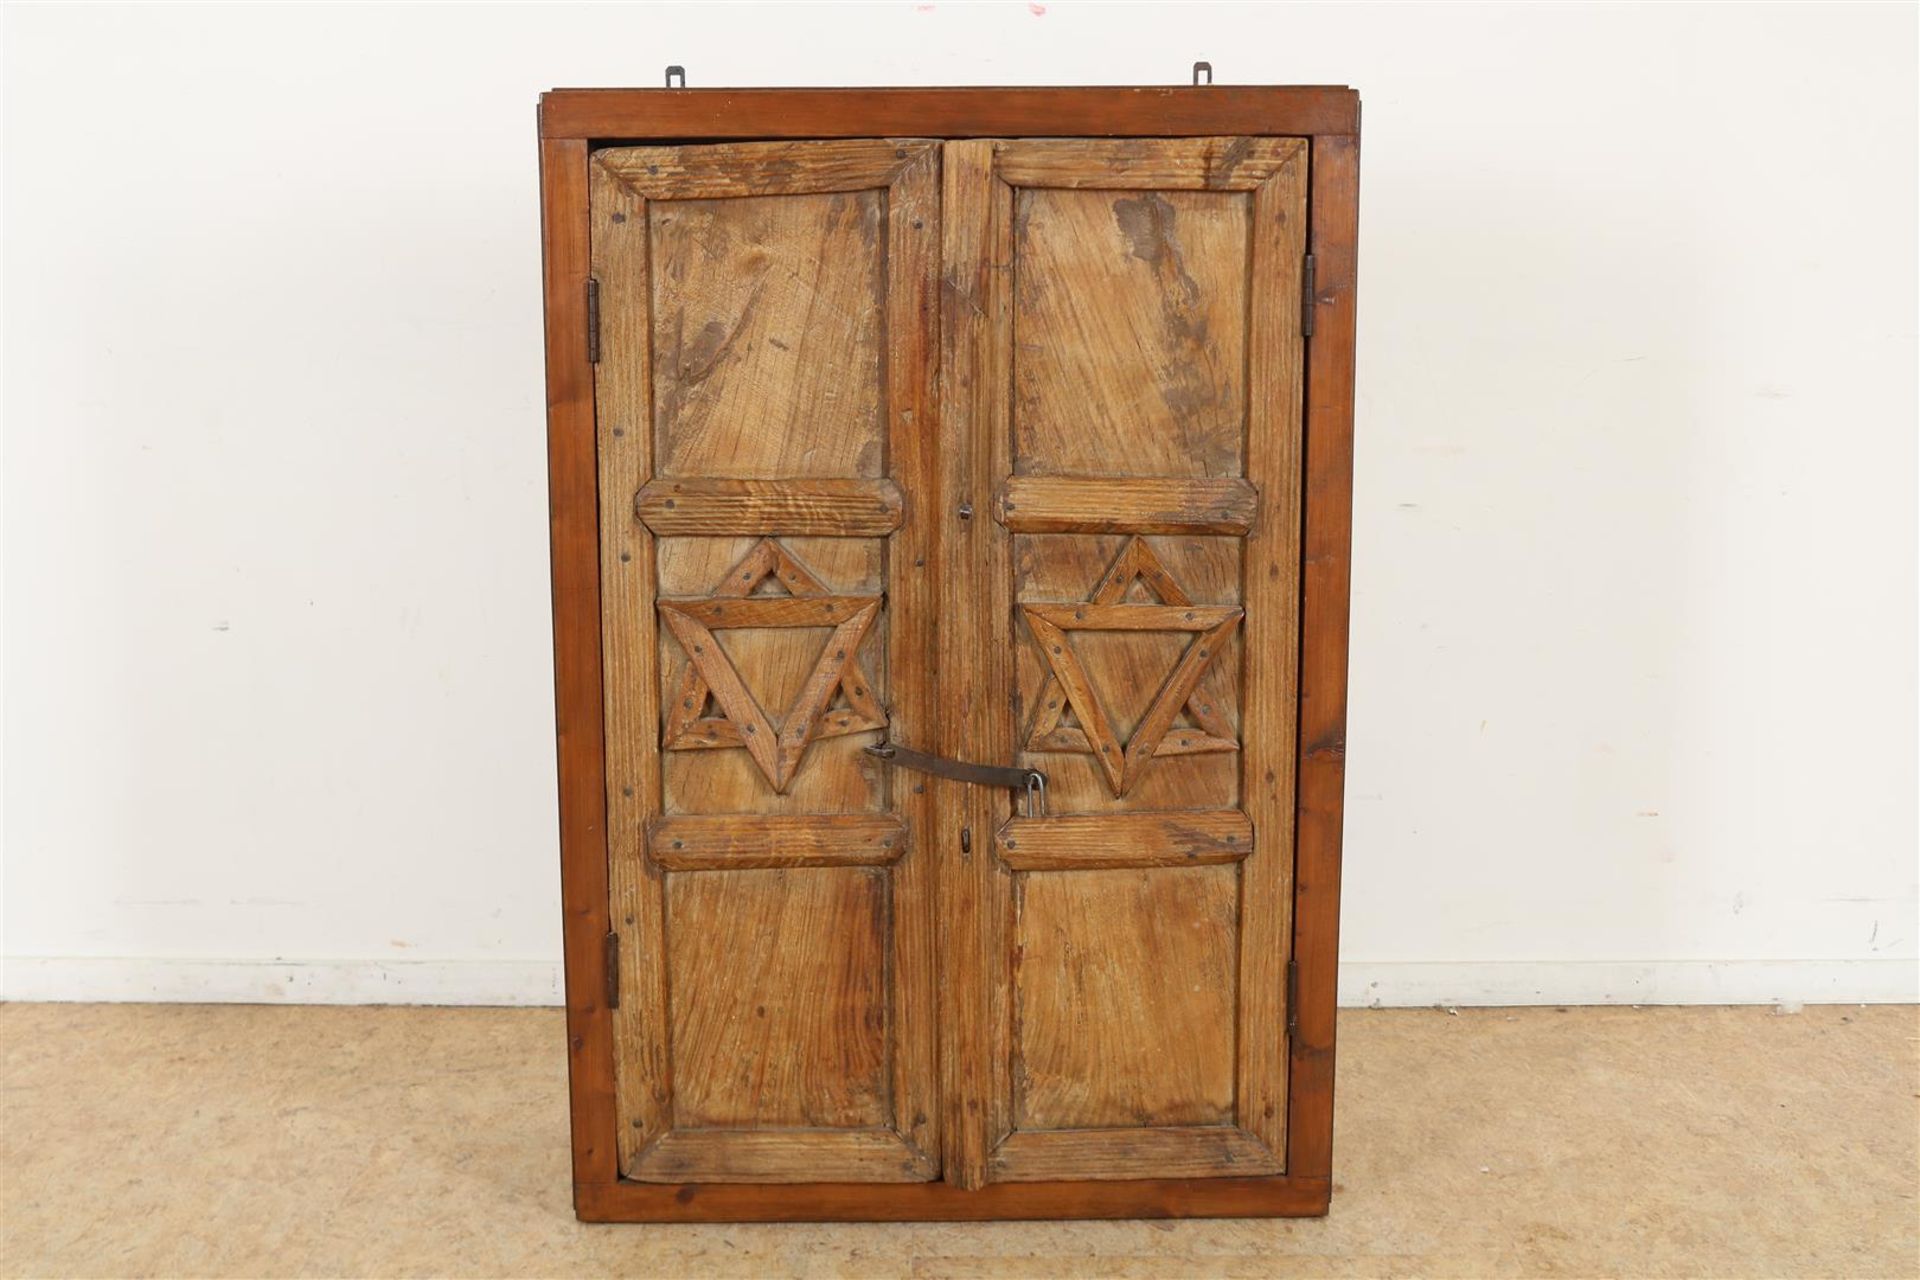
(950, 504)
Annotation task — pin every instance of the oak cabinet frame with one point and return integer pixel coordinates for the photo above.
(573, 123)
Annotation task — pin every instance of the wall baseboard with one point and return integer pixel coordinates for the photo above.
(1397, 984)
(1363, 984)
(171, 980)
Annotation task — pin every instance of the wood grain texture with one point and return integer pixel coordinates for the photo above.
(1132, 504)
(769, 334)
(1196, 765)
(762, 168)
(795, 945)
(1134, 164)
(1100, 842)
(1132, 671)
(1268, 758)
(777, 989)
(913, 355)
(1130, 330)
(1003, 111)
(621, 397)
(773, 1156)
(742, 842)
(703, 770)
(578, 724)
(736, 362)
(972, 416)
(1148, 341)
(836, 508)
(1124, 998)
(1195, 1151)
(1326, 557)
(1272, 1197)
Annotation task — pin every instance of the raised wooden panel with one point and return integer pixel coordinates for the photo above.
(1129, 323)
(1191, 1151)
(768, 329)
(777, 995)
(765, 358)
(1124, 998)
(781, 1156)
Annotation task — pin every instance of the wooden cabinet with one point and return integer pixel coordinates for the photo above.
(950, 524)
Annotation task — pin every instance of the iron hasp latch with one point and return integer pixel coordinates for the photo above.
(1030, 783)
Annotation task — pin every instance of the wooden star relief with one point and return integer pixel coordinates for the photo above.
(711, 675)
(1068, 686)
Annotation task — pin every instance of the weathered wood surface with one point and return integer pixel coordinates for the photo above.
(730, 262)
(1269, 755)
(1138, 164)
(1084, 538)
(1198, 1151)
(1106, 841)
(1133, 504)
(837, 508)
(741, 841)
(1152, 473)
(1124, 998)
(766, 348)
(621, 383)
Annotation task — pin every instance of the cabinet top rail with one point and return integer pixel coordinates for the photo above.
(1136, 111)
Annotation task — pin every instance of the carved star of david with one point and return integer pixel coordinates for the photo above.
(710, 674)
(1068, 686)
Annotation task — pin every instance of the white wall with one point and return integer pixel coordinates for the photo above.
(1633, 710)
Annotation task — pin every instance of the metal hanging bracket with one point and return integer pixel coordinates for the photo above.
(1030, 783)
(672, 73)
(1200, 69)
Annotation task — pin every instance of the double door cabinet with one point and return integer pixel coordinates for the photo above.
(950, 505)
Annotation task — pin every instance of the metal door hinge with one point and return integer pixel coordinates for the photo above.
(1306, 297)
(1293, 998)
(613, 969)
(593, 321)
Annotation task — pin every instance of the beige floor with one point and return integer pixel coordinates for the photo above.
(250, 1141)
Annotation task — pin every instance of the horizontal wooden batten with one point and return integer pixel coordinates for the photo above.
(765, 168)
(1134, 617)
(782, 1155)
(824, 508)
(733, 842)
(1127, 164)
(1139, 504)
(1119, 841)
(1189, 1151)
(770, 611)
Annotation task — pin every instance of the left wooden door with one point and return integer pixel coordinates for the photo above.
(764, 400)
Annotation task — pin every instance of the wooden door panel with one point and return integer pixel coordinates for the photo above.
(1129, 356)
(1123, 987)
(762, 401)
(1122, 386)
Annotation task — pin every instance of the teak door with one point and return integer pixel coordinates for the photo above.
(882, 452)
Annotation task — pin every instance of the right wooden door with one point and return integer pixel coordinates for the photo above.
(1121, 403)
